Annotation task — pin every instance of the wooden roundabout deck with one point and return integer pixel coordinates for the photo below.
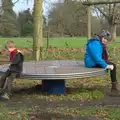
(53, 73)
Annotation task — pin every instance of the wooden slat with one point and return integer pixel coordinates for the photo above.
(50, 70)
(40, 70)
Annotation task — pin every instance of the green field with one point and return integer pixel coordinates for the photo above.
(54, 42)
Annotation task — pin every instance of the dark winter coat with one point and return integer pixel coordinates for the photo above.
(16, 62)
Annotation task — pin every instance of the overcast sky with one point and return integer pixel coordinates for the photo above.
(22, 5)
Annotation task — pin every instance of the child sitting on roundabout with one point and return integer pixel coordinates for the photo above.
(96, 55)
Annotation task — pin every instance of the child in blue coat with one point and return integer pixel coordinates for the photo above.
(96, 56)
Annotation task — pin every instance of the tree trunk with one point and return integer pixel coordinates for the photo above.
(113, 31)
(89, 22)
(37, 36)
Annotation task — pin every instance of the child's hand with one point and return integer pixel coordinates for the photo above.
(111, 67)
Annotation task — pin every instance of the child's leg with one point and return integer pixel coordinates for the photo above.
(113, 76)
(3, 78)
(113, 72)
(9, 82)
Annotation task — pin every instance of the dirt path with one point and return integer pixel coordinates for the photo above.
(55, 116)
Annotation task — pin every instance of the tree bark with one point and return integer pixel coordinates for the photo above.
(89, 23)
(37, 36)
(113, 31)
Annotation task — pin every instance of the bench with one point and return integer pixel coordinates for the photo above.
(53, 73)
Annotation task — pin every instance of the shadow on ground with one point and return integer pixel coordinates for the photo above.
(69, 90)
(106, 101)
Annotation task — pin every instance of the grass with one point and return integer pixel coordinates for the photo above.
(106, 112)
(54, 42)
(14, 113)
(80, 90)
(18, 108)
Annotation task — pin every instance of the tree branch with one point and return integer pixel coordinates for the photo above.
(100, 2)
(109, 10)
(113, 13)
(106, 16)
(96, 10)
(9, 4)
(15, 2)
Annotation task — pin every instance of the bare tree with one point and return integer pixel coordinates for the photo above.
(68, 19)
(110, 10)
(112, 14)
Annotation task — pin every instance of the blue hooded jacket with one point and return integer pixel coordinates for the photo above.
(93, 53)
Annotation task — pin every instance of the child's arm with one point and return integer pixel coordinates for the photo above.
(16, 59)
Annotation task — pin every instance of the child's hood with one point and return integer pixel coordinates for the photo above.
(94, 38)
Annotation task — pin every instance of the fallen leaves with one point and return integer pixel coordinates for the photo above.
(12, 113)
(102, 113)
(65, 50)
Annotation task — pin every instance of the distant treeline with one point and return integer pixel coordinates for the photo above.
(68, 19)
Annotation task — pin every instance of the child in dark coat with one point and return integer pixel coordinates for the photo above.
(14, 70)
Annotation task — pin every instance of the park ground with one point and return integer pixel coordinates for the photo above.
(86, 99)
